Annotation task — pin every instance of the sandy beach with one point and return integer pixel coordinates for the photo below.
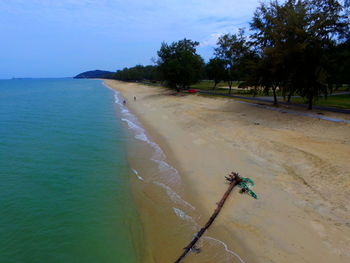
(301, 167)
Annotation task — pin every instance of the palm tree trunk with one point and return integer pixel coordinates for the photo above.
(234, 180)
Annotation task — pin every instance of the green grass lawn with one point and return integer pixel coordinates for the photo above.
(222, 87)
(208, 85)
(337, 101)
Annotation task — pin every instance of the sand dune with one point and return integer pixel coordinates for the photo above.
(301, 167)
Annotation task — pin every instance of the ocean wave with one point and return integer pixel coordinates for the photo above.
(137, 174)
(172, 175)
(174, 196)
(181, 214)
(225, 247)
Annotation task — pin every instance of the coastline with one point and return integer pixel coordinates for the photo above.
(206, 138)
(161, 198)
(65, 192)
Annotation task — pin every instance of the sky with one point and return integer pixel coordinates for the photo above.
(61, 38)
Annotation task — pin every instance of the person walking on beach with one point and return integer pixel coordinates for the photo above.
(134, 97)
(124, 102)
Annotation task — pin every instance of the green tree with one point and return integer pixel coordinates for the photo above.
(293, 39)
(216, 70)
(137, 73)
(233, 49)
(179, 65)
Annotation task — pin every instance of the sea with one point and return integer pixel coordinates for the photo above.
(65, 191)
(83, 181)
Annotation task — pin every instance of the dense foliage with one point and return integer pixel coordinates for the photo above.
(216, 70)
(235, 52)
(137, 73)
(294, 41)
(296, 47)
(95, 74)
(179, 64)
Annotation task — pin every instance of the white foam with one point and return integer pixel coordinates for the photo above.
(168, 174)
(159, 157)
(116, 98)
(132, 125)
(137, 174)
(172, 175)
(174, 196)
(226, 248)
(181, 214)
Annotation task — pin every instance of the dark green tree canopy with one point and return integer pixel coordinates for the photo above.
(295, 47)
(293, 39)
(216, 70)
(137, 73)
(235, 51)
(179, 64)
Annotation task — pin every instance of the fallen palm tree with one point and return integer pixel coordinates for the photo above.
(234, 180)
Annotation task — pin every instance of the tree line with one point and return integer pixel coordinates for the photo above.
(298, 47)
(138, 73)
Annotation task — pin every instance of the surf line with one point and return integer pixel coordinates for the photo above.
(169, 175)
(234, 180)
(226, 248)
(141, 135)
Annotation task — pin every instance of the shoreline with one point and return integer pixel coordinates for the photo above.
(180, 216)
(203, 137)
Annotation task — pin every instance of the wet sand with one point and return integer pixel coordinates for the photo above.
(300, 166)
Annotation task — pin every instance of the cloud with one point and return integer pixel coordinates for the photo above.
(118, 29)
(211, 40)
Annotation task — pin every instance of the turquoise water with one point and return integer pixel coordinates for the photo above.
(64, 192)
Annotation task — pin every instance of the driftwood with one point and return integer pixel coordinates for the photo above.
(234, 179)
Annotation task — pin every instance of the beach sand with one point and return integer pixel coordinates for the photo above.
(301, 167)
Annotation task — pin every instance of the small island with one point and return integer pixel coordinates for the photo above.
(95, 74)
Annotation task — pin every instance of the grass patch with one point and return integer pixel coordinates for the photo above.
(222, 87)
(209, 84)
(336, 101)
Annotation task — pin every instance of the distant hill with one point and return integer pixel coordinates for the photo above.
(95, 74)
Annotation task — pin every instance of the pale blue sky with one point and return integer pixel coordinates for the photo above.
(59, 38)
